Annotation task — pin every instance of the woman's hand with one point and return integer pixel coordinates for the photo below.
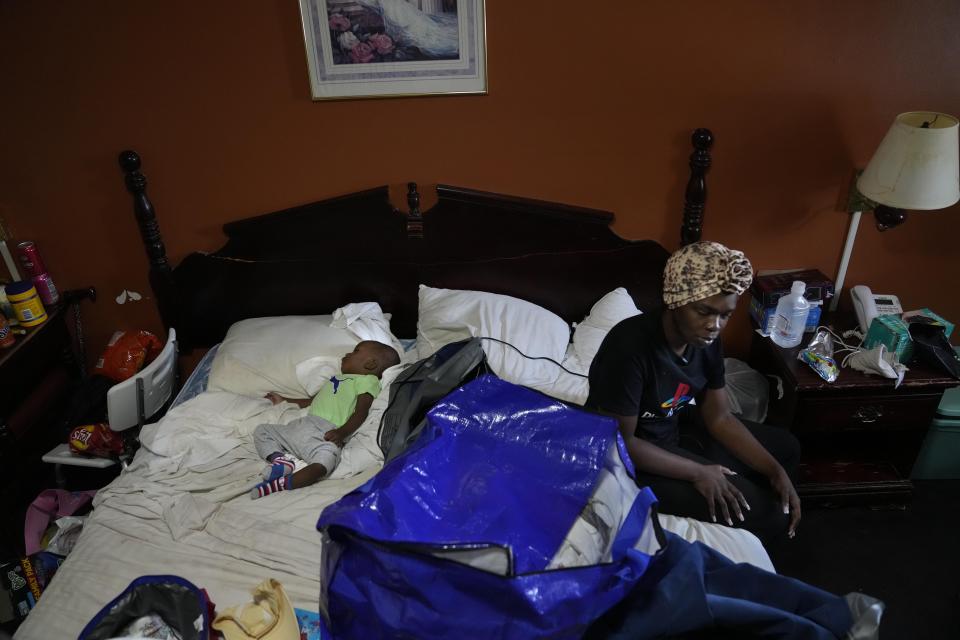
(712, 483)
(780, 482)
(275, 398)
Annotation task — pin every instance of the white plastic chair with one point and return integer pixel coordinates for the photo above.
(129, 404)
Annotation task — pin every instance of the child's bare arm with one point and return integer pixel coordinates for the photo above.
(339, 435)
(276, 398)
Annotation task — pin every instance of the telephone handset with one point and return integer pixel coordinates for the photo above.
(869, 305)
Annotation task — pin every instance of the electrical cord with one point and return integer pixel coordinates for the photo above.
(573, 373)
(845, 347)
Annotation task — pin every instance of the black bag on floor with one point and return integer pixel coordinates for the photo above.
(421, 386)
(158, 605)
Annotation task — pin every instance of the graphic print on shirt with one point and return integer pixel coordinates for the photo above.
(679, 399)
(336, 384)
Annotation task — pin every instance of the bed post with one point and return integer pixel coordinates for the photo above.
(414, 216)
(161, 276)
(696, 196)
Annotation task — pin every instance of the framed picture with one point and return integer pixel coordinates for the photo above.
(392, 48)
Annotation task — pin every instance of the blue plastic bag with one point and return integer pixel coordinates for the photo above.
(499, 468)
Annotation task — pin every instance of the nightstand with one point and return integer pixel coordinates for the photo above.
(860, 436)
(37, 374)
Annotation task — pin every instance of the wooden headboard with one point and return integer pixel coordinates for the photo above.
(316, 257)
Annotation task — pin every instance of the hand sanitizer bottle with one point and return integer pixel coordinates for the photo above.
(790, 320)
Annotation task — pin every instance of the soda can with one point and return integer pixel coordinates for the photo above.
(30, 258)
(46, 289)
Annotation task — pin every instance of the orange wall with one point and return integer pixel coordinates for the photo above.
(590, 106)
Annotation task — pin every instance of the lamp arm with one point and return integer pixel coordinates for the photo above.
(845, 258)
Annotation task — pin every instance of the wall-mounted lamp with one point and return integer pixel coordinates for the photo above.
(915, 167)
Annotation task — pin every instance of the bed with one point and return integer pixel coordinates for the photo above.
(183, 506)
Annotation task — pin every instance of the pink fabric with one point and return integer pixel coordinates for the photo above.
(50, 504)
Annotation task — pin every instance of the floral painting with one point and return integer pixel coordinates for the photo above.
(389, 48)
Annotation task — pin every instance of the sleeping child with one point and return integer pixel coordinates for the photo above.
(338, 409)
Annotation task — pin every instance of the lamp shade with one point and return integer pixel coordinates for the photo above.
(915, 167)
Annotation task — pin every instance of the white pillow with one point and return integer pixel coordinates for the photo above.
(260, 355)
(450, 315)
(609, 310)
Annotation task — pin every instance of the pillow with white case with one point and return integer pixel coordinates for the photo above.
(451, 315)
(608, 311)
(260, 355)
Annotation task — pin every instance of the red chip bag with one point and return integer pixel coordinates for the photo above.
(96, 440)
(127, 352)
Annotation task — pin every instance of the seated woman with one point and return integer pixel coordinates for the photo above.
(661, 376)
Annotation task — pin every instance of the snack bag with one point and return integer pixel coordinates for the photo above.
(96, 440)
(819, 355)
(127, 352)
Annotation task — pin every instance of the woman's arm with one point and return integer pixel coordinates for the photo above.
(727, 429)
(710, 480)
(650, 458)
(340, 434)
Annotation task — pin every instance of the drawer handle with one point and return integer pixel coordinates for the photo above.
(869, 413)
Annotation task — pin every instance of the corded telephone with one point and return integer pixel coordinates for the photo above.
(869, 305)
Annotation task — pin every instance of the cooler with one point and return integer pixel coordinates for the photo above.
(939, 457)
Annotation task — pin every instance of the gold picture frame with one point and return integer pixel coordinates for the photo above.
(394, 48)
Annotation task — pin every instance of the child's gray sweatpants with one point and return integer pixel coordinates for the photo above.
(302, 438)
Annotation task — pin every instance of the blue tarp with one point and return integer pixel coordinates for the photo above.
(498, 464)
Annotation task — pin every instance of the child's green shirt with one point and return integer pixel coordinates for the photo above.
(337, 400)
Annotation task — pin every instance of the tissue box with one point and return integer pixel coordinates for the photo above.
(763, 316)
(927, 316)
(892, 332)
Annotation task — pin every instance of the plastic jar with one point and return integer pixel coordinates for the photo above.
(26, 303)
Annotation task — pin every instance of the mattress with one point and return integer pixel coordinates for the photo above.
(183, 508)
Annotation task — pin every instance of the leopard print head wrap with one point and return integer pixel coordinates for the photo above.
(704, 269)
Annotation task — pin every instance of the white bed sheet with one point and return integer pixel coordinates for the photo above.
(183, 508)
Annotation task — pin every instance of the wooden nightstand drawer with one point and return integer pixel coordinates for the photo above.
(888, 412)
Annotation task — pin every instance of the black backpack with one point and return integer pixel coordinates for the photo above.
(421, 386)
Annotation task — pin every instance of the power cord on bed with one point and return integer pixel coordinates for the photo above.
(573, 373)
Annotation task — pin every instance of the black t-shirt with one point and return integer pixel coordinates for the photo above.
(636, 373)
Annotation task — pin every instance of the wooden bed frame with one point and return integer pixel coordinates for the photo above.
(316, 257)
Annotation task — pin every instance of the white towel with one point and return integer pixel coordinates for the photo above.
(367, 321)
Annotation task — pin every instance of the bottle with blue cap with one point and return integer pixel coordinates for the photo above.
(790, 319)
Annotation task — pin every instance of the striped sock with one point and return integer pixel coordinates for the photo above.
(280, 465)
(266, 488)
